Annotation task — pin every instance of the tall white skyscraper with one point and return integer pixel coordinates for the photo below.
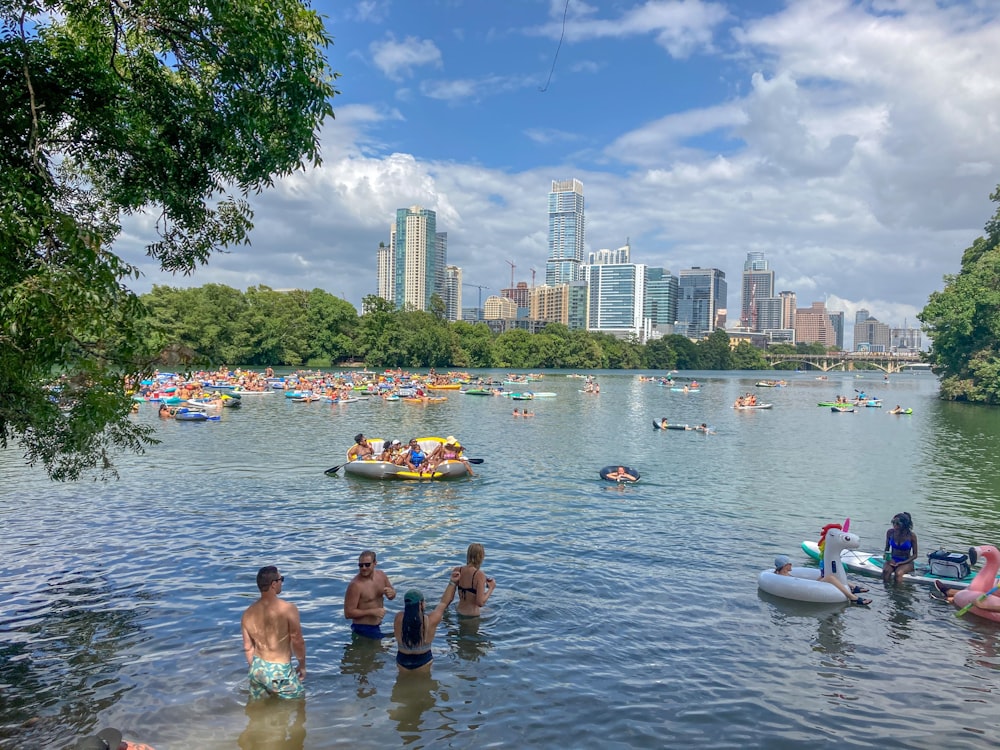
(617, 292)
(566, 233)
(419, 257)
(453, 293)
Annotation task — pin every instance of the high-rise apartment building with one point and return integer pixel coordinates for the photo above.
(701, 301)
(566, 232)
(419, 255)
(605, 257)
(453, 293)
(519, 293)
(788, 303)
(757, 284)
(566, 304)
(385, 268)
(496, 308)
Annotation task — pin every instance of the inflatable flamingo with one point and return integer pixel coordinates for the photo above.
(984, 581)
(804, 584)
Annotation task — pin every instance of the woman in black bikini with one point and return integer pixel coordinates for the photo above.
(478, 586)
(414, 629)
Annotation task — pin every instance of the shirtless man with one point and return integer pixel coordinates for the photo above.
(361, 449)
(363, 600)
(271, 634)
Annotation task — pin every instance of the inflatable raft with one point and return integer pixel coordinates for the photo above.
(373, 469)
(804, 584)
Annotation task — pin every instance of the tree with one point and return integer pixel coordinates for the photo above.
(714, 352)
(963, 322)
(169, 107)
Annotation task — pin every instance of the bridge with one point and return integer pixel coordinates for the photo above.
(846, 361)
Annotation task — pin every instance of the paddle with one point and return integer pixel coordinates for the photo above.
(475, 460)
(334, 469)
(970, 605)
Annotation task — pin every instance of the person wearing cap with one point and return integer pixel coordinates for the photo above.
(271, 634)
(783, 567)
(414, 628)
(109, 739)
(361, 449)
(364, 600)
(449, 450)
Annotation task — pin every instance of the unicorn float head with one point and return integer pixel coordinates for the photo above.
(834, 539)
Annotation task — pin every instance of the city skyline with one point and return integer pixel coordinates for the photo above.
(851, 142)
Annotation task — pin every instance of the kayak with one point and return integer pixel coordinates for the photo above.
(754, 406)
(904, 411)
(686, 390)
(870, 564)
(607, 470)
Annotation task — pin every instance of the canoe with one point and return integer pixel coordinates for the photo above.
(870, 564)
(609, 469)
(829, 403)
(754, 406)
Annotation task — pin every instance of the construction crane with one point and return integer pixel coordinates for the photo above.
(532, 277)
(480, 287)
(512, 267)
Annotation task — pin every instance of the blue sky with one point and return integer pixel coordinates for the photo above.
(855, 143)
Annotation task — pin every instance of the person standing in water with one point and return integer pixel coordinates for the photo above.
(474, 586)
(272, 633)
(414, 629)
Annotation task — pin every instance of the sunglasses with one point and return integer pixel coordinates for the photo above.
(279, 579)
(365, 565)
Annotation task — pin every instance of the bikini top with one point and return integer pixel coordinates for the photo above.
(462, 590)
(900, 546)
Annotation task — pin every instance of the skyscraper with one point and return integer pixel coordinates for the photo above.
(758, 284)
(453, 293)
(617, 292)
(419, 257)
(702, 295)
(566, 232)
(660, 305)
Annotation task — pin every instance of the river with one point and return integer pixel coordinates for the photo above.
(625, 617)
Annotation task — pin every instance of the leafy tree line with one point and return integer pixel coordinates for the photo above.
(221, 325)
(963, 322)
(176, 109)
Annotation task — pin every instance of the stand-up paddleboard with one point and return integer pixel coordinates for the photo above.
(870, 564)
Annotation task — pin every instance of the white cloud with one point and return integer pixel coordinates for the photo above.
(397, 59)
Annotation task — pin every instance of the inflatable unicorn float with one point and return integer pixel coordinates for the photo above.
(805, 584)
(984, 585)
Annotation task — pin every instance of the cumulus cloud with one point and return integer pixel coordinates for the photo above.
(397, 59)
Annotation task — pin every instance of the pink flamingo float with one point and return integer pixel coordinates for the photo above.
(984, 582)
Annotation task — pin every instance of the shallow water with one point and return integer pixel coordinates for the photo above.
(624, 616)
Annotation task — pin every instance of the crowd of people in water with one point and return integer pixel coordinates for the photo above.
(272, 629)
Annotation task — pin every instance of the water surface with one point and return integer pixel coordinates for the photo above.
(624, 616)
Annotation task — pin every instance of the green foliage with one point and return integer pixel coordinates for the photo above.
(748, 357)
(963, 322)
(714, 352)
(177, 109)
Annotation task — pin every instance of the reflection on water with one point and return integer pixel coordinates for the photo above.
(414, 695)
(274, 724)
(465, 637)
(362, 657)
(629, 616)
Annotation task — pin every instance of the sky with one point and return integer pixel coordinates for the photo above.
(855, 144)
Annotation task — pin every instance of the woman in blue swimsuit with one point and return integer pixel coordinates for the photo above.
(900, 547)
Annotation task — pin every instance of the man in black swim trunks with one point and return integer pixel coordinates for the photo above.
(363, 602)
